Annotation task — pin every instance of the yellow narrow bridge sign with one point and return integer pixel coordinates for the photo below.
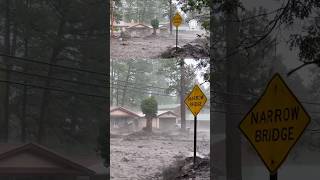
(177, 20)
(195, 100)
(275, 123)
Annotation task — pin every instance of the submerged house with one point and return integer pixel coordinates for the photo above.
(165, 120)
(203, 118)
(124, 120)
(139, 30)
(203, 121)
(175, 108)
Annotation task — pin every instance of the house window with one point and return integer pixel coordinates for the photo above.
(115, 123)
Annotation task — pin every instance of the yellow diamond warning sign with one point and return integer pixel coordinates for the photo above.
(275, 123)
(195, 100)
(177, 20)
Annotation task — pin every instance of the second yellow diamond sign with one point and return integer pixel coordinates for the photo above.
(177, 20)
(275, 123)
(195, 100)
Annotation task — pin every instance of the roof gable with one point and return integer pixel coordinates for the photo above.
(138, 26)
(35, 159)
(166, 114)
(168, 106)
(122, 112)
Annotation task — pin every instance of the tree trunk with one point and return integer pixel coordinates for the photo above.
(112, 83)
(233, 138)
(15, 31)
(149, 124)
(170, 16)
(46, 93)
(182, 96)
(126, 86)
(112, 16)
(6, 75)
(117, 89)
(23, 130)
(24, 112)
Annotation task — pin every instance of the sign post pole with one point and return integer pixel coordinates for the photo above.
(195, 141)
(195, 101)
(274, 176)
(176, 39)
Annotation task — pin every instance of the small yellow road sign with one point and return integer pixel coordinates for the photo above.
(195, 100)
(275, 123)
(177, 20)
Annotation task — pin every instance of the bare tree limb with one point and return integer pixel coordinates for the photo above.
(301, 66)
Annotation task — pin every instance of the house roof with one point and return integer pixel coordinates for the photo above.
(34, 159)
(168, 106)
(166, 114)
(123, 24)
(122, 112)
(139, 26)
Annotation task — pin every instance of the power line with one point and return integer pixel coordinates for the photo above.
(254, 96)
(236, 94)
(155, 87)
(54, 65)
(84, 83)
(53, 78)
(70, 68)
(139, 87)
(136, 90)
(72, 81)
(54, 89)
(102, 74)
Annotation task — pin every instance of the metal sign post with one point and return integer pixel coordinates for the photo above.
(195, 141)
(274, 176)
(177, 39)
(195, 101)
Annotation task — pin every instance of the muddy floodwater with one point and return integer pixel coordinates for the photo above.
(145, 157)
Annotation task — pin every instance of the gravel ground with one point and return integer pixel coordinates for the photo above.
(146, 158)
(150, 47)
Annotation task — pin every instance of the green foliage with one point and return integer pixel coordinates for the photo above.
(149, 107)
(194, 5)
(170, 69)
(68, 33)
(144, 10)
(198, 10)
(256, 63)
(308, 43)
(155, 23)
(143, 76)
(130, 78)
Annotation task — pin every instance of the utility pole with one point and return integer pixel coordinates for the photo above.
(170, 16)
(6, 94)
(112, 83)
(233, 138)
(182, 96)
(112, 17)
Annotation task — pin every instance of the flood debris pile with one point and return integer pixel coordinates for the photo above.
(156, 134)
(197, 49)
(183, 168)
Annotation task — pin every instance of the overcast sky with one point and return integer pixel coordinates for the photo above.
(290, 58)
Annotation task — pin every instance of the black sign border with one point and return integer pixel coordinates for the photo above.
(190, 94)
(264, 92)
